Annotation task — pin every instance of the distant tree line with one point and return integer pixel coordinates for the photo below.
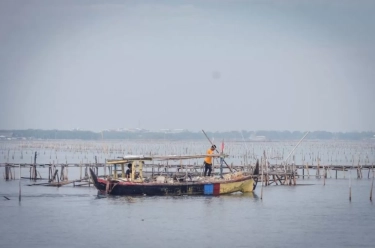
(185, 135)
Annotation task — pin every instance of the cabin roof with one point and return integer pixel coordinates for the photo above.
(129, 158)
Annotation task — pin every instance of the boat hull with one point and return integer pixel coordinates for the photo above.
(243, 184)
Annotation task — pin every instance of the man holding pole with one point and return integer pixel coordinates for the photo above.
(208, 161)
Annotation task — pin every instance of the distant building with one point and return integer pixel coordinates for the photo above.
(172, 130)
(133, 130)
(258, 138)
(5, 135)
(179, 130)
(255, 137)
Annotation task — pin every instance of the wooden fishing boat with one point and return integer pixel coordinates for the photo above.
(173, 184)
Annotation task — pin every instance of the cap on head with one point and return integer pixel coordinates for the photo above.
(213, 147)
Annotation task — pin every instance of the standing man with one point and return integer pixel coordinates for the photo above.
(208, 161)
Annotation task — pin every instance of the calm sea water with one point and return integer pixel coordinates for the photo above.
(306, 215)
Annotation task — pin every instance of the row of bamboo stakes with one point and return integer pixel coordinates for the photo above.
(337, 153)
(346, 152)
(287, 177)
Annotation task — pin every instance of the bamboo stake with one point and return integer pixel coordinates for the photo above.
(294, 170)
(19, 187)
(105, 168)
(246, 151)
(261, 190)
(308, 172)
(34, 172)
(265, 167)
(49, 173)
(328, 172)
(372, 184)
(318, 171)
(89, 176)
(303, 171)
(350, 185)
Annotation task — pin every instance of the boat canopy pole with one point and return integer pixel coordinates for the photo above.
(136, 164)
(221, 167)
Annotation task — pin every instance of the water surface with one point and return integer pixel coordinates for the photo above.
(306, 215)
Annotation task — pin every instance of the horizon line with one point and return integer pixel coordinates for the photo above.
(181, 130)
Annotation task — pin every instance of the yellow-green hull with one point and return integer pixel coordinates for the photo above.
(244, 186)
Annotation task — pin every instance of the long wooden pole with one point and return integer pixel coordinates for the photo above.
(372, 185)
(246, 162)
(216, 150)
(285, 160)
(34, 172)
(350, 185)
(261, 190)
(19, 191)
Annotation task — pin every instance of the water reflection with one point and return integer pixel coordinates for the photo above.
(207, 199)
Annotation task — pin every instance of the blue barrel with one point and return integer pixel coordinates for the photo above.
(208, 189)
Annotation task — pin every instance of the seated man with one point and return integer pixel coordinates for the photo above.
(129, 170)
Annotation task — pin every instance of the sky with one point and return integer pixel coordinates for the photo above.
(295, 65)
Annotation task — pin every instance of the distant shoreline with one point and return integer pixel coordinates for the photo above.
(249, 136)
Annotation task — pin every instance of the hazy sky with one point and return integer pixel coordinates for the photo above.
(213, 65)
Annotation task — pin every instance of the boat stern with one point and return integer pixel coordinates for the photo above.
(247, 186)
